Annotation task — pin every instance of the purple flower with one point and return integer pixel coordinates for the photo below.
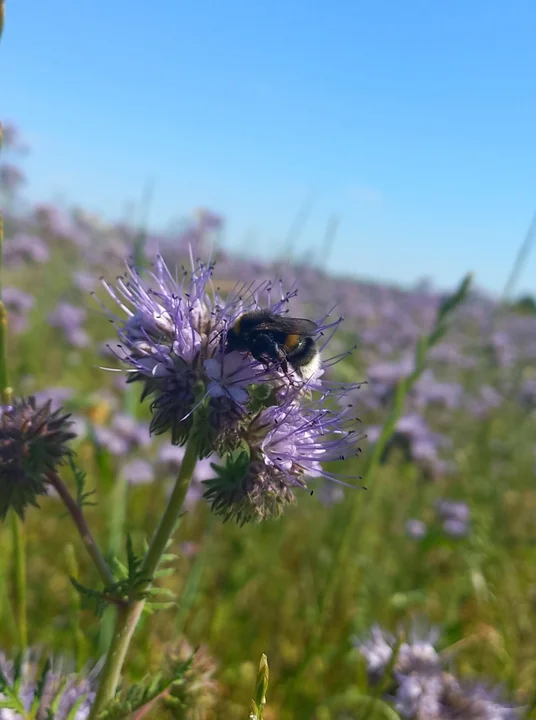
(110, 440)
(138, 472)
(124, 435)
(377, 650)
(173, 342)
(429, 391)
(416, 654)
(84, 281)
(287, 444)
(299, 439)
(66, 316)
(65, 693)
(69, 319)
(415, 529)
(134, 432)
(25, 248)
(18, 304)
(454, 516)
(229, 377)
(171, 456)
(58, 396)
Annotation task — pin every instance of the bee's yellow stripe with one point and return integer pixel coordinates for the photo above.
(291, 341)
(236, 326)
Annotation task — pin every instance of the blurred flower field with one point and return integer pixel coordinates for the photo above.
(414, 597)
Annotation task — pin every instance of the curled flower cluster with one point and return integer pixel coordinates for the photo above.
(420, 688)
(33, 442)
(263, 421)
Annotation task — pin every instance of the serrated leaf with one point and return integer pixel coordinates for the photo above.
(80, 480)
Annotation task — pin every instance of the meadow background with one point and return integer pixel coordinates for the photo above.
(301, 588)
(442, 537)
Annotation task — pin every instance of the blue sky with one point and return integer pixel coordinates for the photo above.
(413, 122)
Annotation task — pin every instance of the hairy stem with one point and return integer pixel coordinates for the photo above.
(128, 616)
(19, 556)
(85, 533)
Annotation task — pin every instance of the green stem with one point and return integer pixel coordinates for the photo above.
(5, 399)
(83, 528)
(128, 616)
(19, 553)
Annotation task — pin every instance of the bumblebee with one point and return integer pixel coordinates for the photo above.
(272, 338)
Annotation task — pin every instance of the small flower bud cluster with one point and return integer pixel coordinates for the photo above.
(33, 442)
(272, 428)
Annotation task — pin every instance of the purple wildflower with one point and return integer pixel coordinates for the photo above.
(299, 439)
(420, 688)
(415, 529)
(58, 396)
(25, 248)
(454, 516)
(138, 472)
(441, 695)
(416, 654)
(84, 281)
(123, 435)
(66, 315)
(173, 342)
(286, 445)
(69, 318)
(18, 304)
(65, 693)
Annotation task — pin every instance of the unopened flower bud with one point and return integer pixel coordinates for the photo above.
(33, 442)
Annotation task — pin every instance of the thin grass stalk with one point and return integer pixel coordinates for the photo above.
(117, 515)
(520, 260)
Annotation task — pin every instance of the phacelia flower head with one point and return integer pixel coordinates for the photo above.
(260, 416)
(282, 446)
(173, 327)
(33, 442)
(47, 688)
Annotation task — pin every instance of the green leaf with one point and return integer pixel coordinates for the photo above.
(80, 482)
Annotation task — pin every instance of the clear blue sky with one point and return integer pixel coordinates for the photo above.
(414, 122)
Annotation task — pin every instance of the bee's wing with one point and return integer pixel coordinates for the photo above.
(294, 326)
